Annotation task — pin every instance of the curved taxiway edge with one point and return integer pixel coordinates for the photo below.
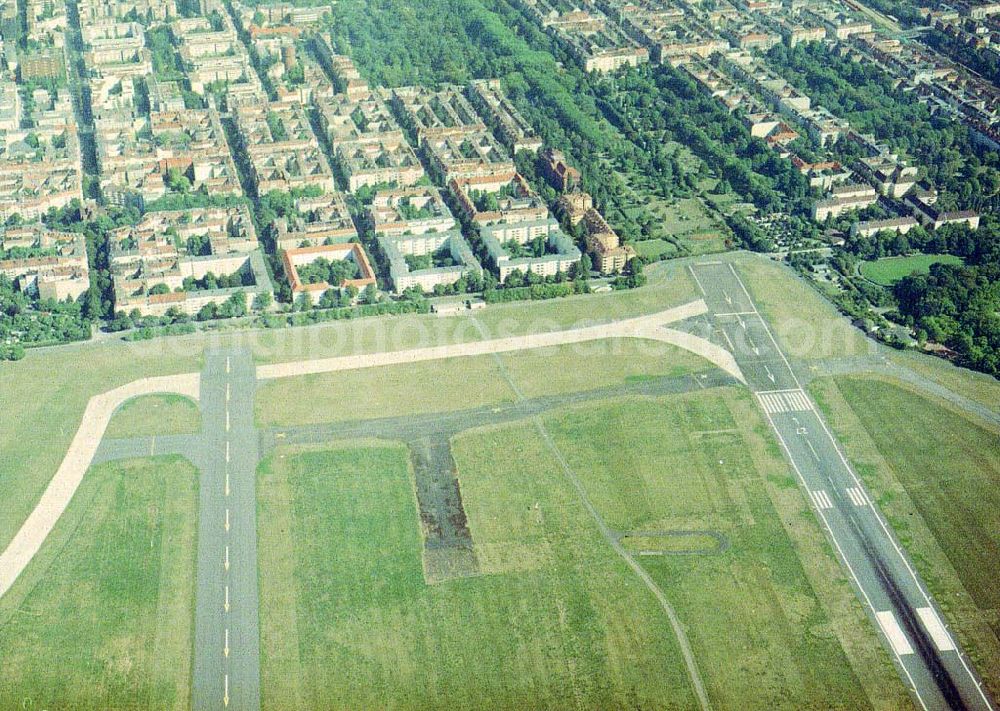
(96, 416)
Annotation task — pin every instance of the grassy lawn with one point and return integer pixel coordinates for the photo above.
(804, 323)
(347, 620)
(584, 366)
(155, 415)
(688, 222)
(770, 617)
(936, 475)
(380, 392)
(424, 387)
(980, 387)
(103, 617)
(654, 248)
(889, 270)
(48, 391)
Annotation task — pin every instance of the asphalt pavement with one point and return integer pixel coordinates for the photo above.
(227, 638)
(910, 623)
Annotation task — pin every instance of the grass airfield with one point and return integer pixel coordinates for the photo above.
(104, 617)
(554, 618)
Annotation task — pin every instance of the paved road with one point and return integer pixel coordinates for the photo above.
(937, 672)
(227, 638)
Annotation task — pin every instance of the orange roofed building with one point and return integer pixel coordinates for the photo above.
(294, 258)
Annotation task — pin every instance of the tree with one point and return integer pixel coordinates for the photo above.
(304, 302)
(262, 301)
(371, 294)
(177, 182)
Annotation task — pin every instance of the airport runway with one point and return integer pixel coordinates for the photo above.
(911, 626)
(227, 639)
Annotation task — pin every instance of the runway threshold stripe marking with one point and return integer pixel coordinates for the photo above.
(769, 403)
(821, 499)
(799, 401)
(784, 401)
(936, 629)
(893, 632)
(857, 496)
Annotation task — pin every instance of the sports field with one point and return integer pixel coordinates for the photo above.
(889, 270)
(555, 618)
(103, 616)
(936, 475)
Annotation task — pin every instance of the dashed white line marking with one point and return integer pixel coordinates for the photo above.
(227, 392)
(857, 496)
(227, 520)
(736, 313)
(227, 483)
(227, 451)
(812, 449)
(936, 629)
(226, 563)
(225, 692)
(227, 420)
(225, 604)
(225, 646)
(821, 499)
(227, 366)
(893, 632)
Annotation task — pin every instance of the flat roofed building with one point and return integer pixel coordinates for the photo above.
(296, 258)
(416, 211)
(559, 252)
(446, 258)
